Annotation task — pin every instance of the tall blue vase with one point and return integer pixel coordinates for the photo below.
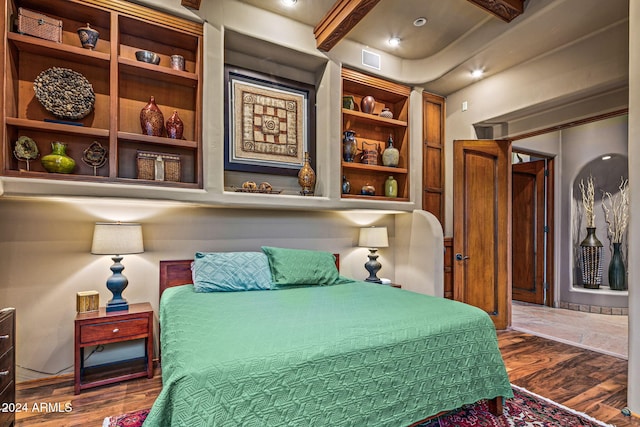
(617, 272)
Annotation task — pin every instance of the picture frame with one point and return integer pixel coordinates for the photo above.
(269, 123)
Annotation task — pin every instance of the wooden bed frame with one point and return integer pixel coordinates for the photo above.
(178, 273)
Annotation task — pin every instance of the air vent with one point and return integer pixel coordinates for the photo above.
(370, 59)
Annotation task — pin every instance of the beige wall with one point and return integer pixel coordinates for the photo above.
(46, 242)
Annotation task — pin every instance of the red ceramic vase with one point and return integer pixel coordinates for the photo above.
(175, 126)
(151, 119)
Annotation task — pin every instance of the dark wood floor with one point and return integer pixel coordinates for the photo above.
(580, 379)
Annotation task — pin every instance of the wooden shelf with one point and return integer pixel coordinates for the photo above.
(158, 72)
(121, 84)
(374, 168)
(374, 119)
(42, 47)
(376, 130)
(379, 198)
(57, 128)
(157, 140)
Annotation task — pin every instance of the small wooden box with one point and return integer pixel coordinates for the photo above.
(87, 301)
(39, 25)
(158, 166)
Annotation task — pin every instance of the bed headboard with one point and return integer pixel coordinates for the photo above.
(178, 273)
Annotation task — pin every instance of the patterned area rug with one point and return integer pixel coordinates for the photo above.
(526, 409)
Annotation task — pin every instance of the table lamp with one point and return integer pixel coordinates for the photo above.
(373, 238)
(117, 238)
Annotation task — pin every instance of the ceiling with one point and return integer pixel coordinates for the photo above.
(460, 36)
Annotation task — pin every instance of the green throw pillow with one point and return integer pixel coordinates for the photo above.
(302, 267)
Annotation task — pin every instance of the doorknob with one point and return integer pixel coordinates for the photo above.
(460, 257)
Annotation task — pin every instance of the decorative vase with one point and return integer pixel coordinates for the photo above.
(368, 190)
(391, 187)
(174, 126)
(370, 153)
(386, 113)
(346, 185)
(349, 146)
(591, 249)
(306, 177)
(88, 36)
(151, 119)
(58, 161)
(617, 272)
(368, 104)
(391, 155)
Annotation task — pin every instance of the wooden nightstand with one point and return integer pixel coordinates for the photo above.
(99, 328)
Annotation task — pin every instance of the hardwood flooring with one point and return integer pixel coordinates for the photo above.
(581, 379)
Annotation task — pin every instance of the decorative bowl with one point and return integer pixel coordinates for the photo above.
(148, 57)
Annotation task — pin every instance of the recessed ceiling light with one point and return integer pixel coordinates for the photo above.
(477, 73)
(394, 41)
(419, 22)
(289, 3)
(606, 157)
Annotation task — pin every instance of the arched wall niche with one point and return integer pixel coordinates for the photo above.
(608, 172)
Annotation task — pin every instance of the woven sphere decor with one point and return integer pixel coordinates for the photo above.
(64, 93)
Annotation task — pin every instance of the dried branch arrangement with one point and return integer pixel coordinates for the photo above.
(616, 211)
(588, 199)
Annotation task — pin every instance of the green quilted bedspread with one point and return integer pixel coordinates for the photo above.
(358, 354)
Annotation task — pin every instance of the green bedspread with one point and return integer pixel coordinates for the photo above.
(358, 354)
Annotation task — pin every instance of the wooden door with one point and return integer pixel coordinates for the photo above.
(528, 199)
(482, 227)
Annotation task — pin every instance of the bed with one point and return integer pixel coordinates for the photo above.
(348, 354)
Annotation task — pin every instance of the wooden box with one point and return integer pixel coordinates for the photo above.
(39, 25)
(87, 301)
(158, 166)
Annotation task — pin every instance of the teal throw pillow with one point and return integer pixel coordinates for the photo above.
(231, 271)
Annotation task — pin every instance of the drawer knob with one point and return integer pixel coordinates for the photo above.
(4, 373)
(4, 337)
(116, 330)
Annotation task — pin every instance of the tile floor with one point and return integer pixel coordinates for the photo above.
(600, 332)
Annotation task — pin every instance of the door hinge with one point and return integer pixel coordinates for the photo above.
(546, 172)
(545, 229)
(545, 285)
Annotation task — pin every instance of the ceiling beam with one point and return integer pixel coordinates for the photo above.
(506, 10)
(343, 16)
(192, 4)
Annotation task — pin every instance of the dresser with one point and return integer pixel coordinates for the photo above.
(7, 366)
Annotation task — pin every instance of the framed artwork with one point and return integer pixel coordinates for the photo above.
(270, 122)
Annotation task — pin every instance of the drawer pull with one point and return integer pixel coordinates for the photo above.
(4, 337)
(4, 373)
(116, 330)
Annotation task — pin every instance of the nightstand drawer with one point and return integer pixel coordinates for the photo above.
(7, 367)
(120, 330)
(6, 334)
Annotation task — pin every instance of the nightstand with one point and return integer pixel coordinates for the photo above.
(100, 328)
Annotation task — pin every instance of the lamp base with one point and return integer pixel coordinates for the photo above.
(121, 305)
(373, 266)
(116, 284)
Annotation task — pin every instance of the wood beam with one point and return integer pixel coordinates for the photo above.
(506, 10)
(339, 20)
(192, 4)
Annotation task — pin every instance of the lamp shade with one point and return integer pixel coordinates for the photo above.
(373, 237)
(117, 238)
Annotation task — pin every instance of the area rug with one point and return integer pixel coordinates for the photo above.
(526, 409)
